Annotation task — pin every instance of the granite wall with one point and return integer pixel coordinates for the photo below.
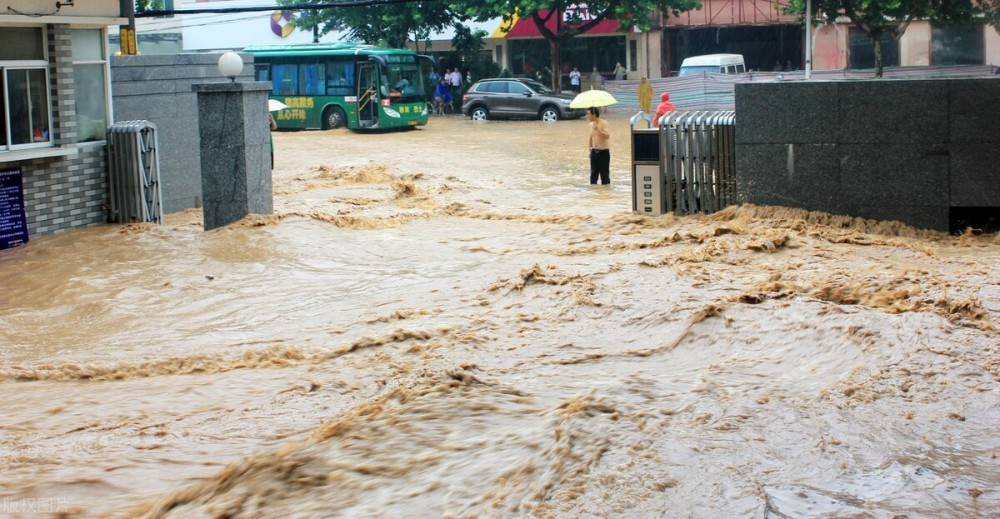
(158, 89)
(235, 150)
(918, 151)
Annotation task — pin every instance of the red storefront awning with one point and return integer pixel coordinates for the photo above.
(526, 28)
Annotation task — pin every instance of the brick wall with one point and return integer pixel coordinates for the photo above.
(65, 194)
(61, 77)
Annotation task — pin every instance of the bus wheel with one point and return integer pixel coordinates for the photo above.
(333, 118)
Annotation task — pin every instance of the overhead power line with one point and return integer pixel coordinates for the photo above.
(296, 7)
(173, 25)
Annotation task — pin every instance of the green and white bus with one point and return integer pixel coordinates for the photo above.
(344, 85)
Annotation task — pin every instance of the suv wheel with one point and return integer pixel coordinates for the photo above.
(479, 113)
(550, 114)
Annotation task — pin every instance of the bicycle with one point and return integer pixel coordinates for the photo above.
(439, 107)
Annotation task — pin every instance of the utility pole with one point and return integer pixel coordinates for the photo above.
(126, 33)
(809, 50)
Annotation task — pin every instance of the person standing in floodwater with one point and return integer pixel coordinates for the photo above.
(620, 71)
(274, 126)
(600, 154)
(645, 95)
(596, 80)
(664, 107)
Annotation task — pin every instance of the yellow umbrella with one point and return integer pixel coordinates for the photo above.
(592, 98)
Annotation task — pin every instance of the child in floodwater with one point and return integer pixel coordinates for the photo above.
(664, 107)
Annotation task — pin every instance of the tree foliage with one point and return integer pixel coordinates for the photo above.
(392, 24)
(572, 21)
(893, 17)
(468, 45)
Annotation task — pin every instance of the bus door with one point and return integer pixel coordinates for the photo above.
(368, 98)
(427, 71)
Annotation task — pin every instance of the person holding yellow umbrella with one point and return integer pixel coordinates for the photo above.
(273, 105)
(600, 152)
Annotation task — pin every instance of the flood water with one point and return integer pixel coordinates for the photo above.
(451, 322)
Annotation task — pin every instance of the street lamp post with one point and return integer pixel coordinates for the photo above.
(808, 38)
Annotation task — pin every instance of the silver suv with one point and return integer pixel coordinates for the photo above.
(516, 97)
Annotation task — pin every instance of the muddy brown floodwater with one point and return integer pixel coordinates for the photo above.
(451, 322)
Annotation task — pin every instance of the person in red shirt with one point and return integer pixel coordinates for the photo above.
(664, 107)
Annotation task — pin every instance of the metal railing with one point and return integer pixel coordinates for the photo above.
(134, 173)
(698, 160)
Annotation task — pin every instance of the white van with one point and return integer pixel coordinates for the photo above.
(714, 63)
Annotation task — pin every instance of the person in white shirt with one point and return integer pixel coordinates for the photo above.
(574, 79)
(456, 78)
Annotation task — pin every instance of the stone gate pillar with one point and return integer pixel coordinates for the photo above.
(235, 150)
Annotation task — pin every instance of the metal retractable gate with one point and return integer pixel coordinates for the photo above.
(699, 158)
(134, 172)
(686, 165)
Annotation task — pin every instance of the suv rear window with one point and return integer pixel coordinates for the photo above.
(493, 87)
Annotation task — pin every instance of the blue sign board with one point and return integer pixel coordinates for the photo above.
(13, 222)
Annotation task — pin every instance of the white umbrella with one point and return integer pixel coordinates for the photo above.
(273, 105)
(592, 98)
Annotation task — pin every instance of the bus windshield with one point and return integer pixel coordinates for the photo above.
(403, 83)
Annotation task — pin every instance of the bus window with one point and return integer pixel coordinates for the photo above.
(340, 78)
(311, 79)
(262, 71)
(284, 79)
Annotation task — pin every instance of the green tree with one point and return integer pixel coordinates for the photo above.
(893, 17)
(468, 45)
(570, 20)
(392, 24)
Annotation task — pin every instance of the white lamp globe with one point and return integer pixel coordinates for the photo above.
(230, 65)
